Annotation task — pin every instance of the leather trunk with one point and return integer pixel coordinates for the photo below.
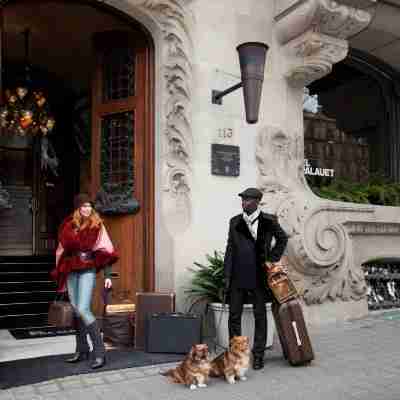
(148, 303)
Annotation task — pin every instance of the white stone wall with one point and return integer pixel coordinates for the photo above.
(219, 27)
(195, 43)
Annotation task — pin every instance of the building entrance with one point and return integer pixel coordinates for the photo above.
(95, 67)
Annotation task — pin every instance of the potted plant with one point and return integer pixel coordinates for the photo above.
(207, 286)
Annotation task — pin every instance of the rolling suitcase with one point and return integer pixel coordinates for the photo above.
(292, 332)
(148, 303)
(172, 332)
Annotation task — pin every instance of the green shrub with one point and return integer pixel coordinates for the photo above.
(207, 281)
(378, 190)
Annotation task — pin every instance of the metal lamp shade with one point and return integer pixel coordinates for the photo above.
(252, 57)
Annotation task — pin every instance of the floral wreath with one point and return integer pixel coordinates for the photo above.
(26, 113)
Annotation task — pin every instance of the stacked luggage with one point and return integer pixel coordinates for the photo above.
(288, 316)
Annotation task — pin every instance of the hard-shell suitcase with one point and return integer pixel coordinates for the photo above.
(292, 332)
(172, 332)
(148, 303)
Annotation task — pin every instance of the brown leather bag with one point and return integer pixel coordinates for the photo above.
(118, 321)
(61, 314)
(279, 282)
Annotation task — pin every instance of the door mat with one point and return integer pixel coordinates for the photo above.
(32, 333)
(34, 370)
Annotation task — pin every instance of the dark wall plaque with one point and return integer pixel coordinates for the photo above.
(225, 160)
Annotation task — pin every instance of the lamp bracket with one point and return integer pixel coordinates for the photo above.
(217, 95)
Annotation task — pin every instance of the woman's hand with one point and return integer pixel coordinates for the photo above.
(107, 283)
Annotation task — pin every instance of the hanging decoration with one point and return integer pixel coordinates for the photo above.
(26, 111)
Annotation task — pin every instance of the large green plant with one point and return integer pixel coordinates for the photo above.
(378, 190)
(207, 281)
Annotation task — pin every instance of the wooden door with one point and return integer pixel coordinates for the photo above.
(122, 156)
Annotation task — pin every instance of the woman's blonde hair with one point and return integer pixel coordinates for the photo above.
(93, 221)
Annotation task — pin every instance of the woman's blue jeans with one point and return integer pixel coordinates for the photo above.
(80, 285)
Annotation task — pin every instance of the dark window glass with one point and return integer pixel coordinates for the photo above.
(118, 74)
(117, 151)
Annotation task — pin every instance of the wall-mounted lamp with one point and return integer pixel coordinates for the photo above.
(252, 57)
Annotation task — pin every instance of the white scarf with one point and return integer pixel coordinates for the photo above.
(252, 222)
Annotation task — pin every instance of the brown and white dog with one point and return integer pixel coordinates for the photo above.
(234, 362)
(194, 370)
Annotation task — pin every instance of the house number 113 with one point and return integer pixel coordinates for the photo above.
(225, 133)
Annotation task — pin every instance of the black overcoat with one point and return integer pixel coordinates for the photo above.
(245, 257)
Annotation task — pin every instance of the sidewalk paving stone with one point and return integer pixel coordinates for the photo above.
(357, 360)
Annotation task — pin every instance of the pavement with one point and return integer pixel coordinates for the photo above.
(355, 360)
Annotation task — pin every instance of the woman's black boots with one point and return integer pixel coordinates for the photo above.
(82, 346)
(99, 351)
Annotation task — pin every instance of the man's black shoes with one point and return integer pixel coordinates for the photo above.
(258, 362)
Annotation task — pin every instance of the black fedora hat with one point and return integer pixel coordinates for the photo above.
(251, 193)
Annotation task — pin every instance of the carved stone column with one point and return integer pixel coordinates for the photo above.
(314, 33)
(175, 21)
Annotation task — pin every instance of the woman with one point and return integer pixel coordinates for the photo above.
(84, 248)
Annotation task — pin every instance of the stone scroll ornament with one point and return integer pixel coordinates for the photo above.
(319, 248)
(313, 34)
(175, 21)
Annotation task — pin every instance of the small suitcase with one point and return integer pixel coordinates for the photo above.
(148, 303)
(172, 332)
(292, 332)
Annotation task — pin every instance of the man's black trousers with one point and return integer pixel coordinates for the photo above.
(238, 297)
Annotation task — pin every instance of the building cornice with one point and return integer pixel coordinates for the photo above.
(313, 34)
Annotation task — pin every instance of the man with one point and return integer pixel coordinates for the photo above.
(249, 246)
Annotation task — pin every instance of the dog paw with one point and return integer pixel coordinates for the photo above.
(192, 386)
(231, 381)
(202, 385)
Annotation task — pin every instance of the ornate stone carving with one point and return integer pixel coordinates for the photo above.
(176, 206)
(372, 228)
(313, 33)
(320, 249)
(280, 160)
(323, 16)
(175, 21)
(324, 253)
(314, 56)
